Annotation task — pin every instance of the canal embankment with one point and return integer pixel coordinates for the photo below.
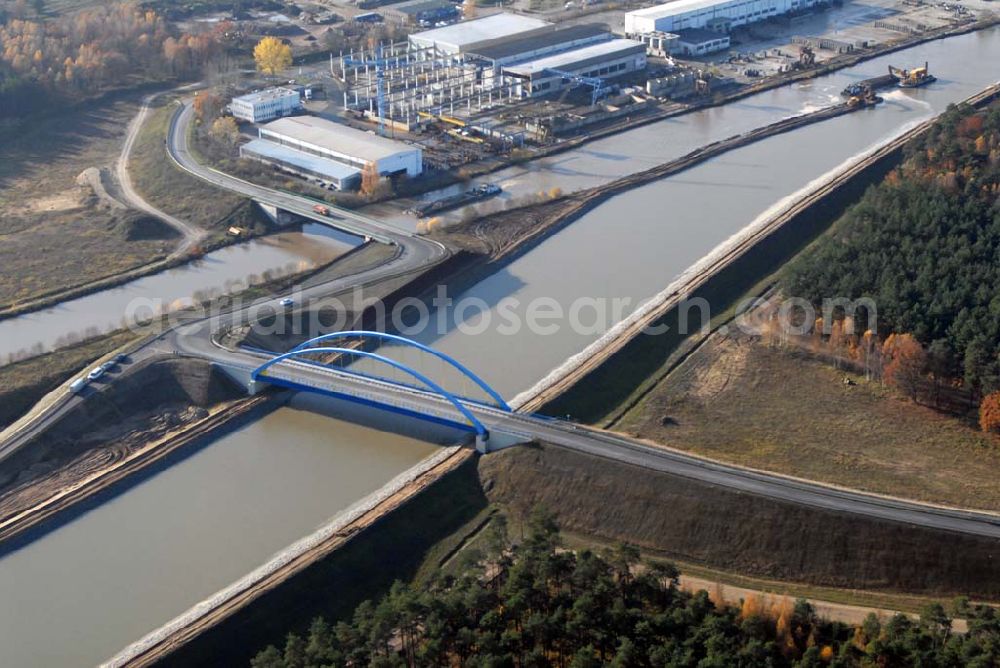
(724, 96)
(599, 502)
(163, 407)
(509, 234)
(380, 539)
(621, 359)
(144, 415)
(262, 611)
(855, 177)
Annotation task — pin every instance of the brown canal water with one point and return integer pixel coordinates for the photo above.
(217, 271)
(630, 248)
(85, 590)
(77, 595)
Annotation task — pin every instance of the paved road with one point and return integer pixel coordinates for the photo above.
(344, 219)
(611, 446)
(195, 339)
(191, 233)
(414, 254)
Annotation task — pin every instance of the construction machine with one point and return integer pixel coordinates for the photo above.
(807, 57)
(918, 76)
(865, 97)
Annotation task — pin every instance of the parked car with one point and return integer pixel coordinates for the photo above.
(78, 385)
(95, 373)
(121, 358)
(109, 365)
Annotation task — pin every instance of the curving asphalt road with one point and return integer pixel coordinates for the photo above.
(192, 234)
(195, 338)
(414, 254)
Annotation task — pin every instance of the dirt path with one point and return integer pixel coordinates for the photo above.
(192, 234)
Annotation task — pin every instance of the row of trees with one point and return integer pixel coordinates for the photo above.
(923, 245)
(536, 604)
(921, 373)
(89, 51)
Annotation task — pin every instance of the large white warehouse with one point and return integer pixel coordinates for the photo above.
(719, 15)
(457, 39)
(344, 144)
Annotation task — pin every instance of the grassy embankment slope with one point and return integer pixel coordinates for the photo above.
(166, 187)
(786, 409)
(24, 383)
(58, 234)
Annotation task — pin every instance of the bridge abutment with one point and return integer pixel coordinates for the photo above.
(277, 216)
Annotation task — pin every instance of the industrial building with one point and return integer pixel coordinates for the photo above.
(475, 65)
(458, 39)
(717, 15)
(337, 174)
(421, 12)
(602, 60)
(345, 145)
(661, 44)
(537, 43)
(266, 105)
(698, 41)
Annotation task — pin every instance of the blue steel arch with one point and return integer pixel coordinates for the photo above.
(480, 428)
(464, 370)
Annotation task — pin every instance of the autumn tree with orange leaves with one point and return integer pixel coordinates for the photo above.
(86, 52)
(370, 179)
(989, 413)
(207, 106)
(905, 361)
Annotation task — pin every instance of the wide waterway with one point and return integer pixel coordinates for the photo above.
(637, 243)
(217, 271)
(955, 61)
(89, 588)
(101, 581)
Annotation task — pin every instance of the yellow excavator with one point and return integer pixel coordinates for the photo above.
(865, 97)
(918, 76)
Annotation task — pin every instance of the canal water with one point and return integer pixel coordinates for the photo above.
(217, 271)
(955, 61)
(94, 585)
(636, 244)
(81, 593)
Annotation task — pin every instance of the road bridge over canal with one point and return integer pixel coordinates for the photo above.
(505, 427)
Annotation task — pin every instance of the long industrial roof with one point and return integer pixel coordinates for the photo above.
(676, 7)
(267, 94)
(480, 30)
(567, 59)
(300, 159)
(538, 39)
(416, 6)
(336, 137)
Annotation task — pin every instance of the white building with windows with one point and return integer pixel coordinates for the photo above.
(717, 15)
(266, 105)
(346, 145)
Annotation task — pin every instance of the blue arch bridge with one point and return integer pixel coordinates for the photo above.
(308, 368)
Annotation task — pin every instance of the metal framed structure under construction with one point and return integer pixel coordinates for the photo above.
(408, 79)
